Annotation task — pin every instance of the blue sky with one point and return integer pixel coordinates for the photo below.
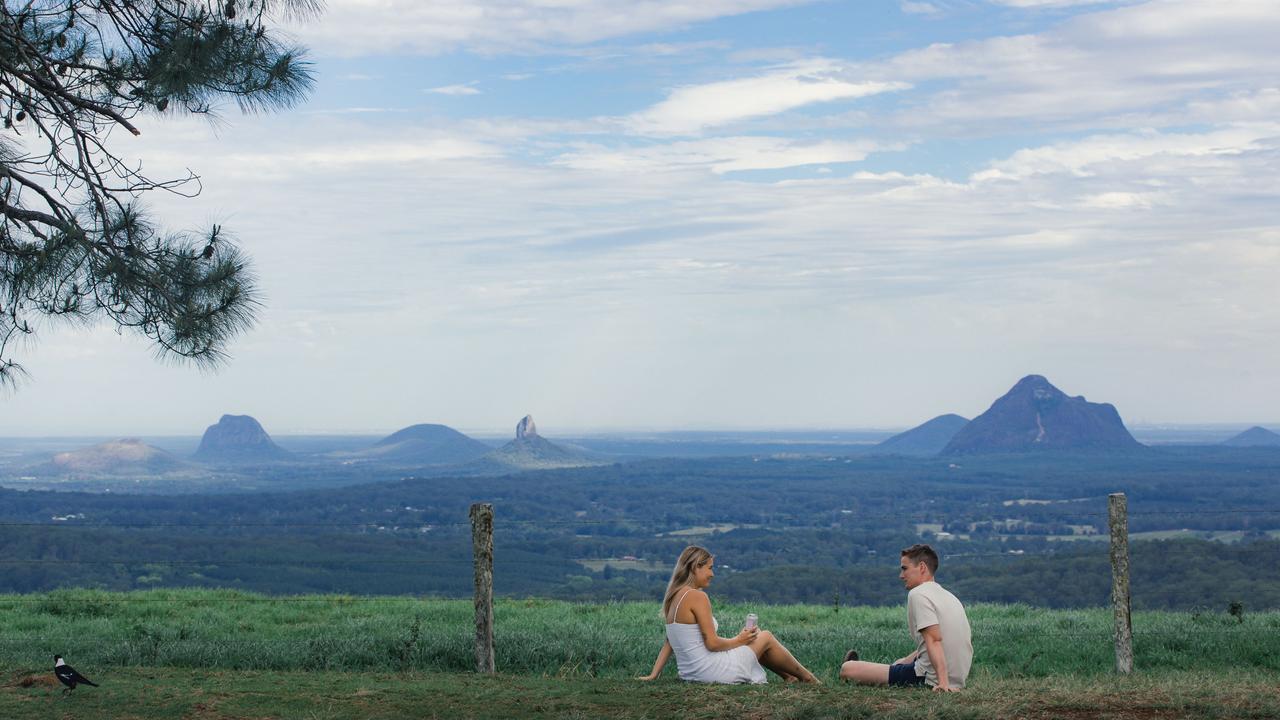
(726, 214)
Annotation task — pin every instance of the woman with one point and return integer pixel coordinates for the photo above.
(701, 654)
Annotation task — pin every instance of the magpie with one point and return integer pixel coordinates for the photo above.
(68, 676)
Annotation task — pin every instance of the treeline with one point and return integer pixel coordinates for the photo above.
(1185, 490)
(1174, 574)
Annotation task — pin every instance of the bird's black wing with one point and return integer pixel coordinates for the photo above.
(68, 674)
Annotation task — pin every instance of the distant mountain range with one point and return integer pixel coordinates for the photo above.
(1255, 437)
(238, 439)
(1034, 415)
(928, 438)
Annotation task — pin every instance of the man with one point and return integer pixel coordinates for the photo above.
(937, 623)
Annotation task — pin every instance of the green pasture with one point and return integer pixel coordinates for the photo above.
(222, 629)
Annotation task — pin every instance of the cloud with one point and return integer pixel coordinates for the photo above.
(919, 8)
(354, 27)
(1091, 69)
(1053, 3)
(690, 109)
(634, 266)
(719, 155)
(466, 89)
(1084, 156)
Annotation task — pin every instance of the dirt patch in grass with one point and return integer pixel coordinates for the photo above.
(36, 680)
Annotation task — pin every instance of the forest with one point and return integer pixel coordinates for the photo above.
(819, 530)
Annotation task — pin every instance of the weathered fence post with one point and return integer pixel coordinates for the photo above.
(1118, 518)
(482, 550)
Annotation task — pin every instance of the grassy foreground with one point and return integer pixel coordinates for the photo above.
(226, 654)
(138, 693)
(240, 631)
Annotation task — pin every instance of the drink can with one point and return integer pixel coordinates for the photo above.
(752, 620)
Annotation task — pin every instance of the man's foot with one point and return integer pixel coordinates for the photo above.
(851, 656)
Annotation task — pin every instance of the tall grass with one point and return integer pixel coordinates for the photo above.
(235, 630)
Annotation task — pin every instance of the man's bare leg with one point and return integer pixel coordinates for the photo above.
(865, 673)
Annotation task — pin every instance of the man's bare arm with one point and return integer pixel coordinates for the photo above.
(933, 646)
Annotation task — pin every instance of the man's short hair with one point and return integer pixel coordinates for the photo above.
(921, 553)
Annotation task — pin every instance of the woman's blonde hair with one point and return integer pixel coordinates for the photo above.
(692, 557)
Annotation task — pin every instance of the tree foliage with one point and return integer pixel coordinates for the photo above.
(75, 242)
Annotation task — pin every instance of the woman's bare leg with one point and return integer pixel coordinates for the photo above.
(774, 656)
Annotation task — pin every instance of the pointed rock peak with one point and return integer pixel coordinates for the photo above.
(1037, 386)
(526, 428)
(1036, 415)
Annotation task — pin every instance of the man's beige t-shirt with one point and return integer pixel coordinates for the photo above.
(930, 604)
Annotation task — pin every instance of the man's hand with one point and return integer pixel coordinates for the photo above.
(947, 688)
(646, 678)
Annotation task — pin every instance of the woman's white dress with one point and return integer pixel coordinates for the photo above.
(698, 664)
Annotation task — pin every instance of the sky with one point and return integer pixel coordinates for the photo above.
(724, 214)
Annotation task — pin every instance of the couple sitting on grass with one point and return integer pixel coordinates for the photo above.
(935, 618)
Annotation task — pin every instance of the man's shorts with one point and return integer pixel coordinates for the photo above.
(904, 675)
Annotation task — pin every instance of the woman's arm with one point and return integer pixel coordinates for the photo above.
(663, 656)
(700, 606)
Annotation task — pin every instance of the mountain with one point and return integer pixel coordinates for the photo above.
(926, 439)
(1035, 415)
(424, 444)
(1255, 437)
(117, 457)
(531, 451)
(237, 439)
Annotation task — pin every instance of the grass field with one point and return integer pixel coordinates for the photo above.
(139, 693)
(235, 655)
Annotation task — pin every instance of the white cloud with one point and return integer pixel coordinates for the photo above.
(649, 278)
(1053, 3)
(436, 26)
(918, 8)
(1095, 68)
(1083, 156)
(693, 108)
(465, 89)
(719, 155)
(1124, 200)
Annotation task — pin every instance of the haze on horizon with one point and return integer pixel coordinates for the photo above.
(729, 214)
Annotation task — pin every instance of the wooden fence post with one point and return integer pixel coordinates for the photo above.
(482, 550)
(1118, 518)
